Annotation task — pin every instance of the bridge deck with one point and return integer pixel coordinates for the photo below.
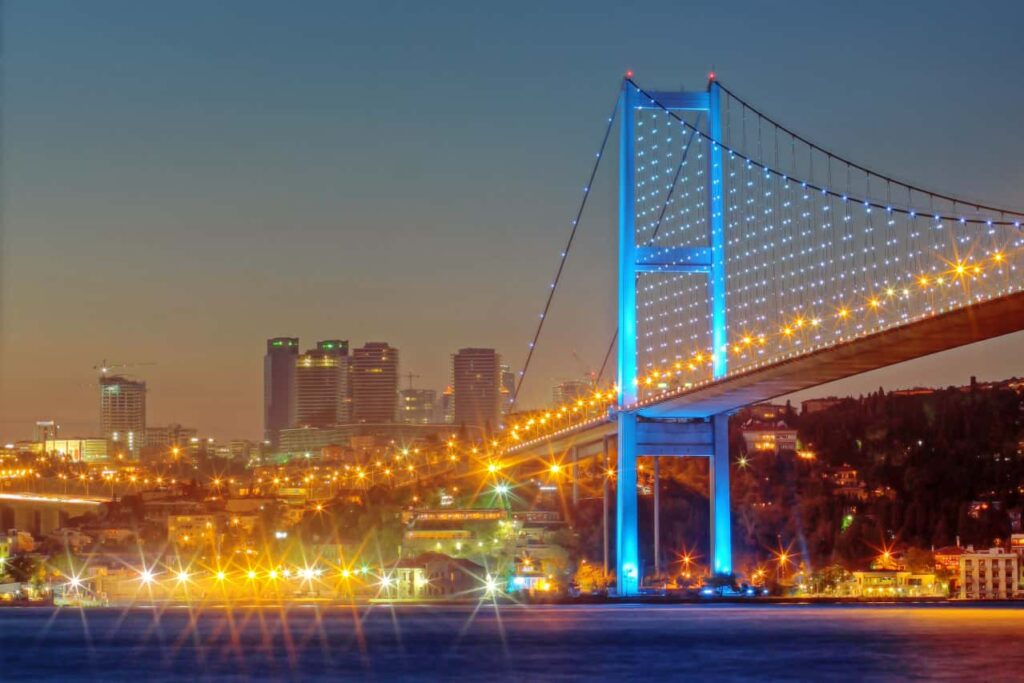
(942, 332)
(978, 322)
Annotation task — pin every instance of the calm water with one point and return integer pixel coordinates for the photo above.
(618, 642)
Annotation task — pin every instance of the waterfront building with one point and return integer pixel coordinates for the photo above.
(476, 377)
(123, 413)
(279, 386)
(947, 559)
(374, 383)
(894, 583)
(322, 396)
(992, 574)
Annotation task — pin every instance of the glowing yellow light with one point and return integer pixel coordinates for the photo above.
(874, 303)
(182, 576)
(251, 574)
(221, 576)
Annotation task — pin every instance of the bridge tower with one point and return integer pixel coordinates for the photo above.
(683, 436)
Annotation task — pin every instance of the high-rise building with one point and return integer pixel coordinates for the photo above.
(448, 405)
(123, 413)
(508, 388)
(417, 406)
(476, 378)
(374, 383)
(279, 386)
(322, 386)
(570, 391)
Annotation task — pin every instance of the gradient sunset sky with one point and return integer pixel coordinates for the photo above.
(182, 180)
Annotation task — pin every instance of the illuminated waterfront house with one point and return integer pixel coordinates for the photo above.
(947, 558)
(895, 584)
(992, 574)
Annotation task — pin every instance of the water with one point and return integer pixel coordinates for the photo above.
(426, 643)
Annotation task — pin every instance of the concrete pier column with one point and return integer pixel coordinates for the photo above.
(627, 560)
(721, 517)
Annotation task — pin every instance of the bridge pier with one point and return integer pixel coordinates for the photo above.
(639, 436)
(721, 516)
(627, 552)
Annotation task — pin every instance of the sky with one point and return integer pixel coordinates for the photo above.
(182, 180)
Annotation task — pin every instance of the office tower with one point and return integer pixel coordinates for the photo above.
(570, 391)
(417, 406)
(123, 413)
(321, 385)
(279, 386)
(476, 377)
(508, 388)
(374, 383)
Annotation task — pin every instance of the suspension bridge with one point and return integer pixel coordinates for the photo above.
(753, 263)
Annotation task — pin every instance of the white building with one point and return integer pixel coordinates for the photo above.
(992, 574)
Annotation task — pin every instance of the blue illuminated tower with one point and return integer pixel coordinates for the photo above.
(707, 435)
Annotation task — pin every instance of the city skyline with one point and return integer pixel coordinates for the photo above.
(271, 208)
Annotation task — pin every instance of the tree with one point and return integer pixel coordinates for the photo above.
(22, 568)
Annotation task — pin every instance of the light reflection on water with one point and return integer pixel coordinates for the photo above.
(621, 642)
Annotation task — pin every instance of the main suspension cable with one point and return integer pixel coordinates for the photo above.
(831, 155)
(565, 253)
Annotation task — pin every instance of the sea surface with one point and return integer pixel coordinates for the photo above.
(518, 643)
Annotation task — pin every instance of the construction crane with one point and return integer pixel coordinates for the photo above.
(591, 375)
(104, 366)
(411, 376)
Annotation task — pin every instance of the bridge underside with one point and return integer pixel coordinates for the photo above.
(978, 322)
